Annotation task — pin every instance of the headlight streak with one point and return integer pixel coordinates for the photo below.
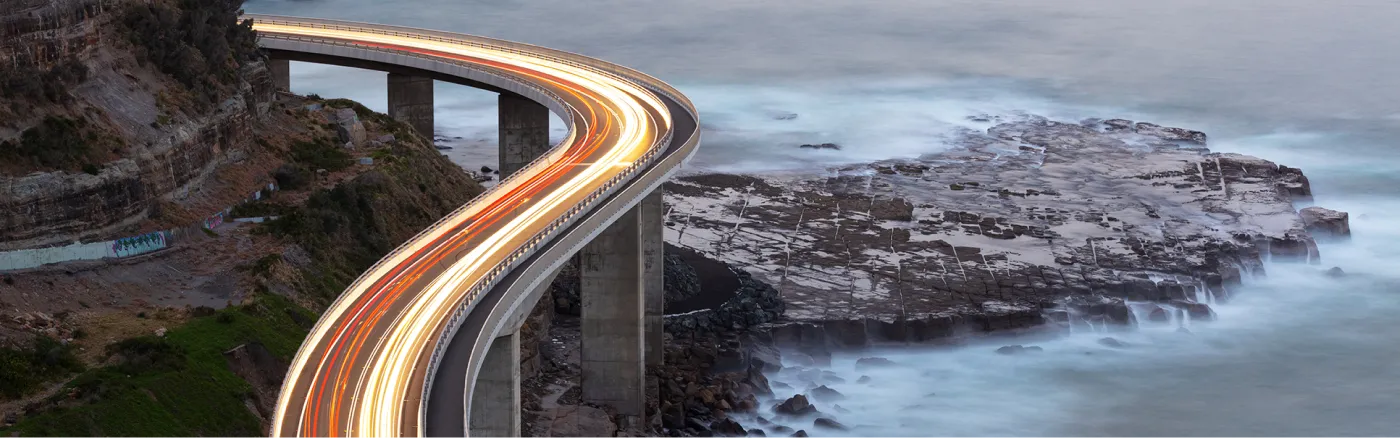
(376, 401)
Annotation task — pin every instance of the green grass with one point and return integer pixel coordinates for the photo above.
(179, 385)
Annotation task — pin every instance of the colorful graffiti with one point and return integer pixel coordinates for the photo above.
(126, 247)
(142, 244)
(214, 221)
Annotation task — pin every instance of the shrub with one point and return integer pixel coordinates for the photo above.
(33, 84)
(57, 143)
(321, 154)
(291, 177)
(147, 354)
(24, 370)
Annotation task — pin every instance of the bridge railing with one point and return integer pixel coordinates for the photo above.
(612, 70)
(571, 216)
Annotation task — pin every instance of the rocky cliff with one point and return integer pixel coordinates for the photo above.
(132, 133)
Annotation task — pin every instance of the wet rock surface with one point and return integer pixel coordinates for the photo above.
(1031, 221)
(1323, 223)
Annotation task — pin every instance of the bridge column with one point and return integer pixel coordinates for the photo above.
(411, 101)
(611, 285)
(524, 131)
(652, 212)
(281, 71)
(496, 396)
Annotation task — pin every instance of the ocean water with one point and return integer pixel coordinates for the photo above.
(1308, 84)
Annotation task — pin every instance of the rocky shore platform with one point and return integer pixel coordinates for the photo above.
(1030, 221)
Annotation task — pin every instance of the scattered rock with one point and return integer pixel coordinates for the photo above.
(873, 362)
(1323, 223)
(827, 423)
(1018, 349)
(1112, 343)
(780, 429)
(160, 332)
(757, 432)
(1195, 311)
(830, 377)
(1170, 134)
(348, 127)
(796, 405)
(486, 169)
(799, 432)
(1158, 314)
(863, 379)
(1335, 272)
(825, 393)
(728, 427)
(832, 146)
(840, 409)
(785, 116)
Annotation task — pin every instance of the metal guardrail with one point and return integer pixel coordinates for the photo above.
(598, 66)
(493, 277)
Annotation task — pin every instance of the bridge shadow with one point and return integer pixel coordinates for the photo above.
(718, 283)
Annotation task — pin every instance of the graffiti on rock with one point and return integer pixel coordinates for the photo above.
(142, 244)
(214, 221)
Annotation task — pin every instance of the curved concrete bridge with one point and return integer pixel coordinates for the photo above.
(424, 343)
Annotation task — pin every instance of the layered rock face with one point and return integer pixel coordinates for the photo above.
(1030, 221)
(39, 32)
(168, 147)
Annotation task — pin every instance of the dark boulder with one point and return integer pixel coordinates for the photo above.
(873, 362)
(796, 405)
(825, 393)
(827, 423)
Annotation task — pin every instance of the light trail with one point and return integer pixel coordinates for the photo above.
(361, 370)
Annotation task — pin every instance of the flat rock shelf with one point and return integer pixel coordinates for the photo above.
(1027, 222)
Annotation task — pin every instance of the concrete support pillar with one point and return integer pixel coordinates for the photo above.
(524, 131)
(281, 71)
(610, 285)
(496, 396)
(411, 101)
(651, 216)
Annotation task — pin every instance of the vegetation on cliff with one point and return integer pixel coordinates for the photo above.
(61, 143)
(347, 228)
(176, 385)
(23, 370)
(185, 383)
(27, 84)
(201, 43)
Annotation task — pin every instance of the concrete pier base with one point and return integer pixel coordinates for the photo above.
(496, 396)
(611, 289)
(281, 71)
(411, 101)
(523, 127)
